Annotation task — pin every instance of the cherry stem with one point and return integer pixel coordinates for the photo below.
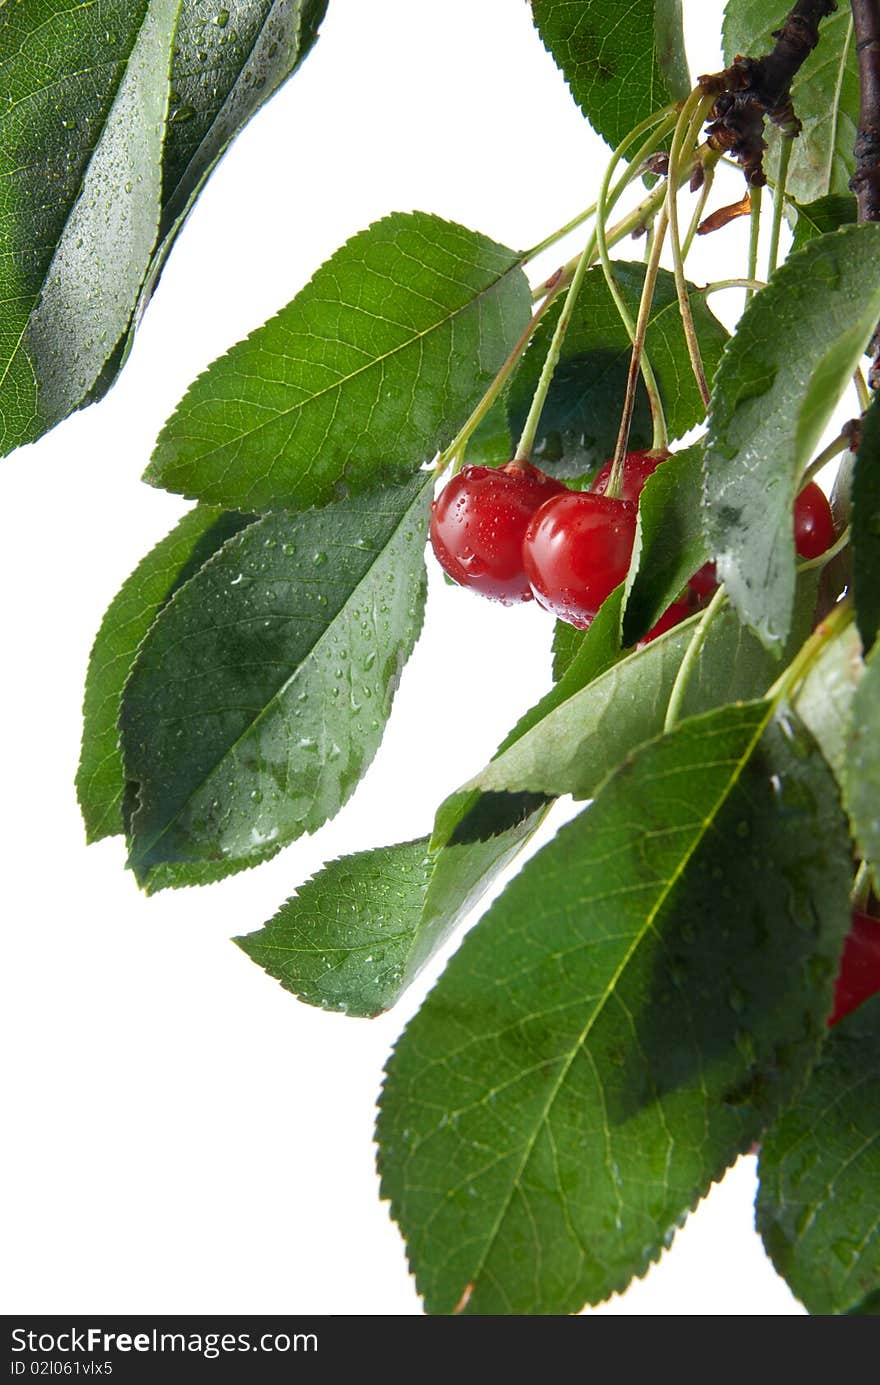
(862, 886)
(842, 443)
(861, 390)
(717, 284)
(709, 161)
(691, 655)
(555, 236)
(779, 201)
(585, 259)
(530, 427)
(694, 112)
(660, 438)
(833, 625)
(757, 196)
(636, 365)
(458, 442)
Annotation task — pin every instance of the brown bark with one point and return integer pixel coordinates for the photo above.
(865, 182)
(753, 89)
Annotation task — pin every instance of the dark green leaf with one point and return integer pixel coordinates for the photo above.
(866, 527)
(621, 62)
(354, 937)
(583, 738)
(100, 780)
(221, 73)
(825, 93)
(471, 813)
(669, 546)
(818, 218)
(260, 695)
(85, 99)
(862, 768)
(579, 422)
(795, 350)
(820, 1170)
(491, 444)
(360, 379)
(604, 1044)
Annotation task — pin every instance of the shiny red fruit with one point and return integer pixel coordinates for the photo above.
(576, 550)
(859, 975)
(704, 581)
(672, 616)
(813, 522)
(637, 467)
(478, 523)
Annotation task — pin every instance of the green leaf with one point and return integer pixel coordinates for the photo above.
(825, 697)
(260, 695)
(566, 643)
(620, 62)
(579, 423)
(82, 129)
(604, 1044)
(355, 936)
(818, 218)
(866, 527)
(490, 444)
(359, 380)
(221, 74)
(794, 352)
(820, 1169)
(100, 780)
(669, 545)
(862, 768)
(825, 93)
(583, 738)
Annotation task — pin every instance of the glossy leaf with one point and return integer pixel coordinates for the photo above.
(866, 528)
(260, 695)
(227, 61)
(818, 218)
(620, 62)
(578, 426)
(100, 780)
(583, 738)
(81, 141)
(670, 545)
(359, 380)
(602, 1047)
(825, 697)
(794, 352)
(820, 1169)
(355, 936)
(825, 94)
(862, 768)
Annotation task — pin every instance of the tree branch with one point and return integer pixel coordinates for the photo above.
(865, 182)
(754, 88)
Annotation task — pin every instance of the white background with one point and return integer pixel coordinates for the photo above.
(182, 1135)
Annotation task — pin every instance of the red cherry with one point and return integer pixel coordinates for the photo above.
(672, 616)
(859, 975)
(637, 467)
(704, 581)
(813, 522)
(478, 522)
(576, 550)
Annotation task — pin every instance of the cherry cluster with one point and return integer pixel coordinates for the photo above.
(513, 533)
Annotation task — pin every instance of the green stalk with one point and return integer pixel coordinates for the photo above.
(755, 195)
(695, 110)
(691, 655)
(778, 203)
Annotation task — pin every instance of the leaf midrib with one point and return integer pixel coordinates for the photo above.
(280, 690)
(339, 384)
(650, 920)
